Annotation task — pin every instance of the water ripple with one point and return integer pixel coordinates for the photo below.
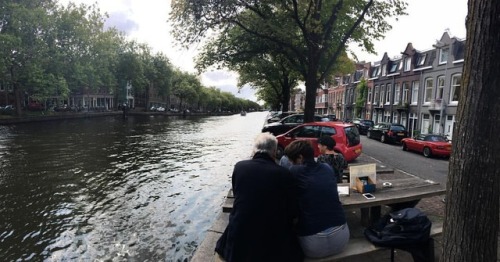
(104, 189)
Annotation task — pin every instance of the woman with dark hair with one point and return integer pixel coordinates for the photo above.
(326, 145)
(321, 226)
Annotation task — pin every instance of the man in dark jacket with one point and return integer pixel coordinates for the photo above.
(261, 223)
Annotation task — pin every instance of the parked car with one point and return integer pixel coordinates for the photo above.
(278, 116)
(330, 117)
(345, 135)
(428, 144)
(387, 132)
(286, 124)
(363, 125)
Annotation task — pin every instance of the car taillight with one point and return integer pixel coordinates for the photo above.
(389, 133)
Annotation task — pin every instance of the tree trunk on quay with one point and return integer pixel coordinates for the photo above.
(310, 103)
(471, 223)
(286, 97)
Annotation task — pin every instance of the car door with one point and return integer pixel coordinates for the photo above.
(417, 143)
(309, 133)
(377, 131)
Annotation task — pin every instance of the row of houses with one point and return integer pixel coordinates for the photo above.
(418, 89)
(96, 99)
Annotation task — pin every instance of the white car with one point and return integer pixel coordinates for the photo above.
(160, 109)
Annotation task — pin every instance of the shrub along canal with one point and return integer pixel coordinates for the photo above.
(141, 189)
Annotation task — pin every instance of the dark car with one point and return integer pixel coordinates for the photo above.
(363, 125)
(345, 135)
(387, 132)
(277, 116)
(286, 124)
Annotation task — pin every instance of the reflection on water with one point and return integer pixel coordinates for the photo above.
(144, 189)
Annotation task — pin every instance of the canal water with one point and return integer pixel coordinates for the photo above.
(107, 189)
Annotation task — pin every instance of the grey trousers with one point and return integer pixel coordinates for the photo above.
(328, 242)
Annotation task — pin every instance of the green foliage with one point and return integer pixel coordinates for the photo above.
(361, 95)
(312, 34)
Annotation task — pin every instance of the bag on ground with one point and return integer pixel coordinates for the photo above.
(399, 228)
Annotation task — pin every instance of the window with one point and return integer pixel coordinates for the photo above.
(403, 119)
(375, 72)
(440, 88)
(405, 92)
(308, 131)
(369, 95)
(388, 94)
(376, 98)
(407, 64)
(421, 59)
(429, 84)
(394, 67)
(387, 116)
(443, 56)
(328, 131)
(414, 92)
(382, 95)
(397, 93)
(395, 117)
(384, 70)
(455, 87)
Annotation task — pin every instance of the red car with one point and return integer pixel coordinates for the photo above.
(346, 136)
(428, 144)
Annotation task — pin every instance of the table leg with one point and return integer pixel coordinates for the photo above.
(375, 213)
(369, 215)
(365, 217)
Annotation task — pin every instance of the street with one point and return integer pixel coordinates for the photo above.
(435, 169)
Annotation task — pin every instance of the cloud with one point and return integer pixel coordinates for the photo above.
(122, 22)
(227, 82)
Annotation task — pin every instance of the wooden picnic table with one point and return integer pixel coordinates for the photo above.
(405, 188)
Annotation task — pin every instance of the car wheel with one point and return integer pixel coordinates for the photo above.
(382, 138)
(427, 152)
(279, 152)
(368, 134)
(405, 148)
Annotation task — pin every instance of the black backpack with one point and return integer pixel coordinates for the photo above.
(407, 226)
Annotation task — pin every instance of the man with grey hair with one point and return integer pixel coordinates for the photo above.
(260, 225)
(265, 143)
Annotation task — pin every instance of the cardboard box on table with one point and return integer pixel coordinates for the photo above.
(368, 173)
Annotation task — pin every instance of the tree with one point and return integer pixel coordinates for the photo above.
(361, 94)
(311, 34)
(257, 62)
(471, 225)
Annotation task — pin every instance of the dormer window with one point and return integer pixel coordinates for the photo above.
(384, 70)
(394, 67)
(443, 56)
(421, 59)
(407, 64)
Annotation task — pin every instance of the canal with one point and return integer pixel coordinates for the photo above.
(107, 189)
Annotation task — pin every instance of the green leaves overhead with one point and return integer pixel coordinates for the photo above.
(312, 34)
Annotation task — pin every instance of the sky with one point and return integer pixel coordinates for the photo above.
(146, 21)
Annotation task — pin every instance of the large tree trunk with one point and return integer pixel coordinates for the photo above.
(286, 96)
(472, 200)
(312, 85)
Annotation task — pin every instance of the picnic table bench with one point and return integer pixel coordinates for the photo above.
(405, 189)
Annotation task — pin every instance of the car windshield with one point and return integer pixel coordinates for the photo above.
(352, 135)
(367, 122)
(435, 139)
